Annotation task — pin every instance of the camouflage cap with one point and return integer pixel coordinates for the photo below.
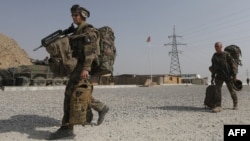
(83, 11)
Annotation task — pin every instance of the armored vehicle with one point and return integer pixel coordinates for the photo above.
(29, 75)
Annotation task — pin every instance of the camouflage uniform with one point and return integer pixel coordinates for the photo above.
(84, 50)
(223, 68)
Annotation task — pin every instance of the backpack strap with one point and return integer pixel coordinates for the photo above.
(79, 29)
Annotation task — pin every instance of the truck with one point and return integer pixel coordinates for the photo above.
(30, 75)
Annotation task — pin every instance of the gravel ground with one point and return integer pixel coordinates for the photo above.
(160, 113)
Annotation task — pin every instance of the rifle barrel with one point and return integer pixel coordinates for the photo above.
(35, 49)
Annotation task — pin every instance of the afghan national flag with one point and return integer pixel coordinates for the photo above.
(148, 39)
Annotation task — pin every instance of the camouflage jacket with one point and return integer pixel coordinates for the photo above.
(85, 48)
(223, 65)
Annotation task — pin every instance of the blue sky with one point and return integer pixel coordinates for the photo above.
(200, 23)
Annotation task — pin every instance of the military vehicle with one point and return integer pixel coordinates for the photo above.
(30, 75)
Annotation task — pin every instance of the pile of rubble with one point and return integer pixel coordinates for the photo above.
(11, 54)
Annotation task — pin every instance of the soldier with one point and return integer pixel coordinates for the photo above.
(223, 69)
(84, 50)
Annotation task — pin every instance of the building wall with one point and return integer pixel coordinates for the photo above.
(168, 79)
(142, 79)
(130, 79)
(203, 81)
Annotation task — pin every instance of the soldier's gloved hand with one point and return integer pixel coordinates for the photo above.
(69, 30)
(212, 81)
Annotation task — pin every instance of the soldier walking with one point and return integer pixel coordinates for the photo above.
(223, 69)
(84, 50)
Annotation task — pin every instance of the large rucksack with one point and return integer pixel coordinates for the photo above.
(61, 62)
(105, 61)
(235, 52)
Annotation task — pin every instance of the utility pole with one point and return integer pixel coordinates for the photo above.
(175, 68)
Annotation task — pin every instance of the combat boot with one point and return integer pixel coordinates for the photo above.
(217, 109)
(235, 107)
(102, 114)
(62, 132)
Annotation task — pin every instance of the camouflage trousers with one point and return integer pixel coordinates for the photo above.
(73, 81)
(218, 97)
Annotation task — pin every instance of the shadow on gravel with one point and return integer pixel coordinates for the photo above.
(28, 124)
(181, 108)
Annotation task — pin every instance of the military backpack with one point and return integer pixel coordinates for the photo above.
(61, 61)
(80, 110)
(209, 100)
(235, 53)
(107, 52)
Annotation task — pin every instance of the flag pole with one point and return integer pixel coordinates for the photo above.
(150, 61)
(150, 64)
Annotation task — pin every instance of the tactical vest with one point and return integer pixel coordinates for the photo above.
(83, 46)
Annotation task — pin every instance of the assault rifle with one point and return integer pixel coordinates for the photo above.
(54, 36)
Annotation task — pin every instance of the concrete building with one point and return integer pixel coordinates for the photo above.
(159, 79)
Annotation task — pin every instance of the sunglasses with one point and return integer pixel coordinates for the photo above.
(75, 15)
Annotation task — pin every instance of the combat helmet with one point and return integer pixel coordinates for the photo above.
(83, 11)
(237, 85)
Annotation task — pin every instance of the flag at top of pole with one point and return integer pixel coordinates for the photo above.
(148, 39)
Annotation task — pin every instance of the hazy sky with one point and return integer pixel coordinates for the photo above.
(201, 23)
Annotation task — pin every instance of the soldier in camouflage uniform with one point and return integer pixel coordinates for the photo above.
(223, 69)
(84, 50)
